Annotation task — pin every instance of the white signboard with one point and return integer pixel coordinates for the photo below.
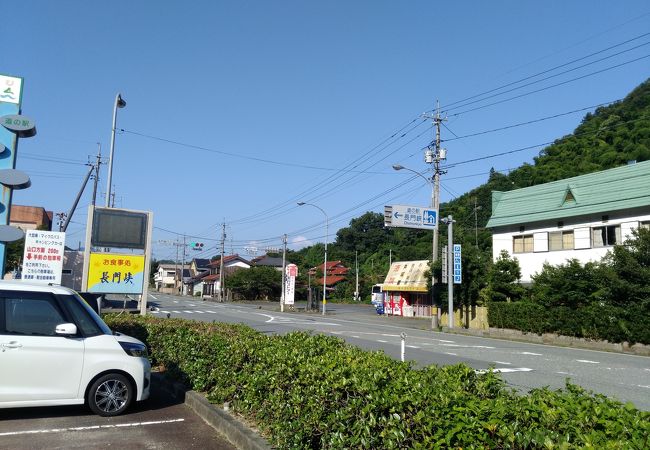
(43, 256)
(10, 89)
(290, 284)
(407, 216)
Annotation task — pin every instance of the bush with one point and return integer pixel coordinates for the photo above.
(601, 322)
(308, 391)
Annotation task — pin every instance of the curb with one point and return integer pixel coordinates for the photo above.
(228, 426)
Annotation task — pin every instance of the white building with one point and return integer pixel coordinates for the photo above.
(168, 277)
(580, 217)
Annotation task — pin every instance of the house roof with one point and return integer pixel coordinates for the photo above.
(173, 266)
(228, 259)
(212, 277)
(407, 276)
(599, 192)
(330, 266)
(201, 263)
(331, 280)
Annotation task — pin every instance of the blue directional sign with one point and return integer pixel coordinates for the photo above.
(458, 265)
(408, 216)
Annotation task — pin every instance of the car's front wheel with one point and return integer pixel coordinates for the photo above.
(110, 395)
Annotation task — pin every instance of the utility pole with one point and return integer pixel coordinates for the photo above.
(96, 176)
(183, 267)
(222, 278)
(356, 263)
(434, 156)
(284, 267)
(476, 208)
(450, 268)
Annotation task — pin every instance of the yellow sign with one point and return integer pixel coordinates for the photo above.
(407, 276)
(111, 273)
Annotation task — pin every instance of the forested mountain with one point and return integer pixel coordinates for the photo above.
(607, 138)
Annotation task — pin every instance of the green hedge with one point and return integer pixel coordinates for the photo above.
(606, 322)
(308, 391)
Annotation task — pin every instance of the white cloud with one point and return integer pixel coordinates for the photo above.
(300, 242)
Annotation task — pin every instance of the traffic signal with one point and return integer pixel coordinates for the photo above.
(196, 245)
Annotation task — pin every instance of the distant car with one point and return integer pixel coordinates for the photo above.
(55, 350)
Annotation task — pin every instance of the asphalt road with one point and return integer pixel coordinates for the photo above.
(161, 422)
(523, 366)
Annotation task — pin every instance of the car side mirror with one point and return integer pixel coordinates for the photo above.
(66, 329)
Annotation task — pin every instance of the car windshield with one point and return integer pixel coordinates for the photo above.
(93, 315)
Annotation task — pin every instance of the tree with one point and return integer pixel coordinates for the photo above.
(256, 283)
(503, 280)
(572, 284)
(627, 271)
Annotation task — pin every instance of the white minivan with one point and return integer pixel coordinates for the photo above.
(55, 350)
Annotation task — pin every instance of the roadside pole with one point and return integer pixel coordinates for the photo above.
(284, 270)
(450, 269)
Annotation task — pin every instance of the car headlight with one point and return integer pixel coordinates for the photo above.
(133, 349)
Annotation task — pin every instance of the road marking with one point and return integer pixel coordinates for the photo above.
(443, 340)
(212, 312)
(154, 312)
(530, 353)
(502, 362)
(480, 346)
(506, 370)
(587, 361)
(151, 295)
(199, 312)
(192, 305)
(452, 354)
(383, 342)
(175, 301)
(390, 335)
(412, 346)
(564, 373)
(357, 337)
(177, 312)
(643, 386)
(164, 312)
(89, 428)
(188, 312)
(450, 345)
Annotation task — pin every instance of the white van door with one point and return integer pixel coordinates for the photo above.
(37, 364)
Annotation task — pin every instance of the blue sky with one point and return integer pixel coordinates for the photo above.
(237, 110)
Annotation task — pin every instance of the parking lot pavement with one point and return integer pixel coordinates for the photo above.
(158, 423)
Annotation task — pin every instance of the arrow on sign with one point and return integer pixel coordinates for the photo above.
(397, 215)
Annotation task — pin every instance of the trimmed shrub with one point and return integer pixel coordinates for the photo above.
(307, 391)
(600, 322)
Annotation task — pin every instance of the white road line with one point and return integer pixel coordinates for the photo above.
(412, 346)
(199, 312)
(89, 428)
(643, 386)
(480, 346)
(507, 370)
(564, 373)
(188, 312)
(390, 335)
(177, 312)
(154, 312)
(450, 345)
(164, 312)
(530, 353)
(443, 340)
(587, 361)
(192, 305)
(175, 301)
(155, 298)
(212, 312)
(452, 354)
(383, 342)
(503, 362)
(355, 336)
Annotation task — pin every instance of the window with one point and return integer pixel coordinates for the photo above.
(522, 244)
(32, 313)
(606, 236)
(560, 240)
(645, 225)
(81, 317)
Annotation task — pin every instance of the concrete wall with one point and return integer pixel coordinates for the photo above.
(472, 317)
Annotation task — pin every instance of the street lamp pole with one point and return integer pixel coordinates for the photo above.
(325, 265)
(435, 179)
(119, 103)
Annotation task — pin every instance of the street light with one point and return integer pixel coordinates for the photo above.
(325, 265)
(434, 251)
(119, 103)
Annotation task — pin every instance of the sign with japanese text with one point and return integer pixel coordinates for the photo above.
(290, 284)
(458, 266)
(43, 256)
(112, 273)
(407, 216)
(10, 89)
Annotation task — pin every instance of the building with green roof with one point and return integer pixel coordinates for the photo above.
(580, 217)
